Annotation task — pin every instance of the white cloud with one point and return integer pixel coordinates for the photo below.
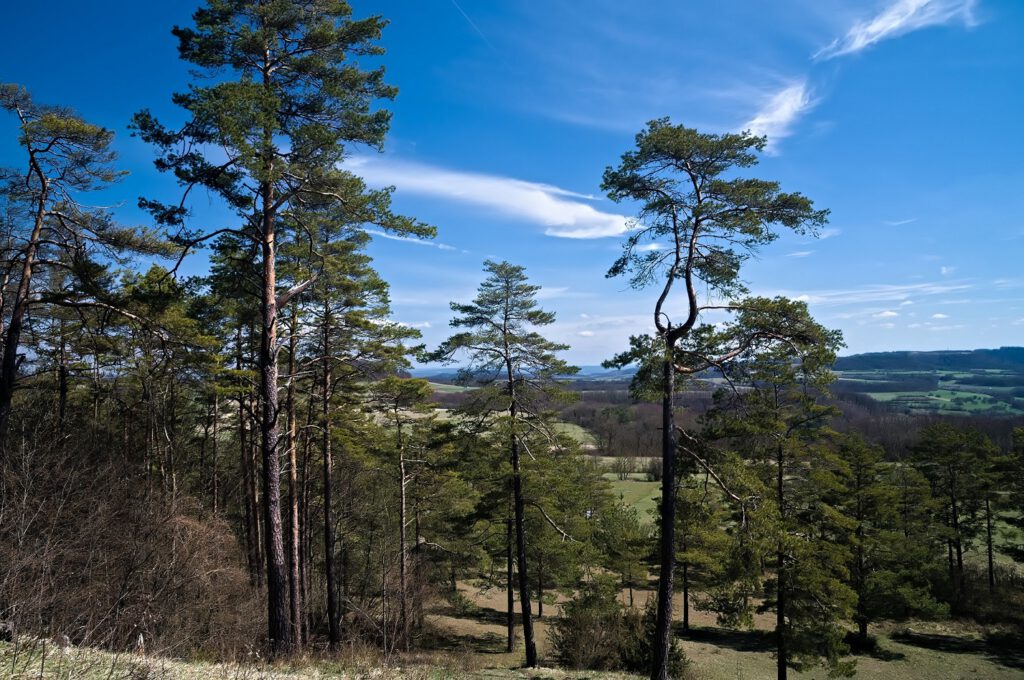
(940, 316)
(563, 213)
(876, 293)
(888, 325)
(780, 112)
(887, 314)
(946, 271)
(649, 247)
(906, 303)
(801, 253)
(409, 239)
(899, 18)
(418, 324)
(900, 223)
(586, 334)
(829, 233)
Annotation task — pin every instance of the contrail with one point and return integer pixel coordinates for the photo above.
(475, 27)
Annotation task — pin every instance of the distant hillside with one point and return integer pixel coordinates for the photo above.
(974, 382)
(1002, 359)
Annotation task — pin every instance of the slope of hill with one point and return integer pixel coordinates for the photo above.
(984, 381)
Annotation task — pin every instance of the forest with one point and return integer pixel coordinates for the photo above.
(236, 473)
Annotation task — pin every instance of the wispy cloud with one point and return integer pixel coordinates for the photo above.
(877, 293)
(779, 113)
(801, 253)
(563, 213)
(409, 239)
(898, 18)
(829, 232)
(887, 314)
(476, 29)
(940, 316)
(900, 223)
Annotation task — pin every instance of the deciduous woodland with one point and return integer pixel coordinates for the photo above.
(239, 464)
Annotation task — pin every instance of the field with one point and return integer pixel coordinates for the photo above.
(638, 493)
(945, 392)
(445, 388)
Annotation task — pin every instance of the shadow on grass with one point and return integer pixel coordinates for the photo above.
(1002, 648)
(739, 640)
(763, 642)
(872, 648)
(483, 643)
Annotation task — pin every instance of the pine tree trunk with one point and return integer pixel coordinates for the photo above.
(510, 616)
(12, 339)
(780, 567)
(62, 386)
(248, 475)
(958, 549)
(540, 587)
(663, 628)
(988, 544)
(278, 626)
(294, 556)
(333, 620)
(215, 481)
(520, 512)
(403, 593)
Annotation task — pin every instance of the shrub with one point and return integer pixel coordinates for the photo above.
(653, 469)
(638, 632)
(596, 633)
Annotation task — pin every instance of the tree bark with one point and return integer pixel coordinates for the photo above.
(333, 620)
(988, 544)
(215, 482)
(520, 512)
(294, 556)
(12, 339)
(278, 626)
(403, 560)
(780, 567)
(510, 617)
(540, 587)
(663, 628)
(248, 476)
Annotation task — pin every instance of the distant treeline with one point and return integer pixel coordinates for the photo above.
(1004, 358)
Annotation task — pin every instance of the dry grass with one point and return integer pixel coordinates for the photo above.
(472, 645)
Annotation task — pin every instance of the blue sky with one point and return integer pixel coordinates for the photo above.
(901, 116)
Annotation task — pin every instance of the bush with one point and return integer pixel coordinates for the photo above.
(638, 632)
(596, 633)
(588, 634)
(653, 469)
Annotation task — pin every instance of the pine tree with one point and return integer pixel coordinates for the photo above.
(778, 423)
(696, 226)
(517, 370)
(51, 229)
(287, 100)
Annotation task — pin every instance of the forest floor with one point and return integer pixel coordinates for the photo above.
(469, 642)
(909, 651)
